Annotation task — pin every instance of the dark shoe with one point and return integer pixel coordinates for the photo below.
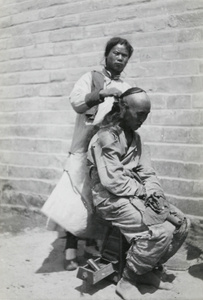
(127, 290)
(91, 252)
(70, 264)
(150, 278)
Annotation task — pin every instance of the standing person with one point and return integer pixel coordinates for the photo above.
(127, 193)
(91, 97)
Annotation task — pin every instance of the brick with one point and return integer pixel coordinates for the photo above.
(14, 66)
(153, 39)
(18, 91)
(187, 67)
(36, 64)
(191, 19)
(101, 16)
(188, 35)
(16, 53)
(54, 89)
(45, 25)
(71, 21)
(35, 145)
(183, 51)
(20, 41)
(32, 173)
(39, 50)
(176, 117)
(31, 186)
(38, 117)
(72, 8)
(38, 131)
(40, 160)
(177, 169)
(23, 199)
(4, 55)
(201, 67)
(3, 44)
(34, 77)
(67, 34)
(196, 135)
(5, 22)
(176, 135)
(150, 69)
(48, 13)
(35, 104)
(125, 28)
(150, 54)
(48, 3)
(179, 84)
(93, 32)
(191, 206)
(197, 101)
(11, 79)
(58, 76)
(183, 135)
(157, 101)
(25, 17)
(172, 134)
(42, 37)
(193, 5)
(63, 48)
(19, 30)
(4, 170)
(182, 187)
(12, 92)
(151, 133)
(178, 101)
(185, 152)
(201, 117)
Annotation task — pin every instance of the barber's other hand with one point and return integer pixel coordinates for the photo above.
(112, 92)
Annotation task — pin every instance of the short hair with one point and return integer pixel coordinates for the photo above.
(115, 41)
(130, 91)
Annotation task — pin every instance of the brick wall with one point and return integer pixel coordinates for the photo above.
(44, 48)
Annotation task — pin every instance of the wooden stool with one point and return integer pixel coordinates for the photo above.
(111, 262)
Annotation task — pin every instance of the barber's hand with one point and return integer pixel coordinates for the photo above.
(112, 92)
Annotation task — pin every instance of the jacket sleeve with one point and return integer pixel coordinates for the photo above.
(107, 156)
(147, 173)
(81, 97)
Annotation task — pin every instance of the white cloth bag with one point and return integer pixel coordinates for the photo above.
(70, 203)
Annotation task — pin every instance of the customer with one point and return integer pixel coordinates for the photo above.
(127, 193)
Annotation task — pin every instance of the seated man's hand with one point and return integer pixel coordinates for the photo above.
(141, 191)
(157, 202)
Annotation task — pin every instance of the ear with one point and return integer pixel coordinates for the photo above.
(123, 107)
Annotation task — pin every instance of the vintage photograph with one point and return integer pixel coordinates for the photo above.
(101, 150)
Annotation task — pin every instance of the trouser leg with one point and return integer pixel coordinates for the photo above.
(149, 243)
(71, 241)
(70, 262)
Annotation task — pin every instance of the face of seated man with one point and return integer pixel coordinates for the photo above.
(137, 109)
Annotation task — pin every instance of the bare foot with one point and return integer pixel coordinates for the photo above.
(127, 290)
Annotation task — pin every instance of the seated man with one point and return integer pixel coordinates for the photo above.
(127, 193)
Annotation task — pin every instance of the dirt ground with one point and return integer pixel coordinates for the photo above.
(31, 266)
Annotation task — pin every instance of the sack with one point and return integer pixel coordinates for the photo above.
(66, 208)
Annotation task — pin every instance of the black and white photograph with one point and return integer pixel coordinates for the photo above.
(101, 150)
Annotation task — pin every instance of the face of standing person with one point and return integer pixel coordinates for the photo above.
(117, 59)
(136, 111)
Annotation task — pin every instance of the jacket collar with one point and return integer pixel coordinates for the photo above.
(110, 76)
